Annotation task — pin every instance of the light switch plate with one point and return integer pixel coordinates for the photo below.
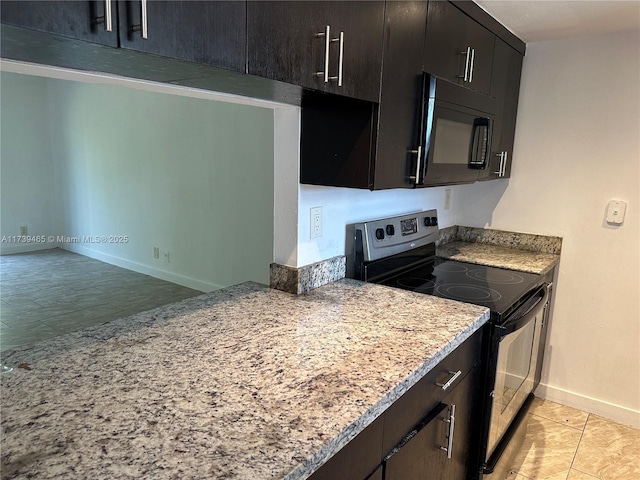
(615, 212)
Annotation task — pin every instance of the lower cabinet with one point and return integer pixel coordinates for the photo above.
(441, 446)
(429, 433)
(357, 459)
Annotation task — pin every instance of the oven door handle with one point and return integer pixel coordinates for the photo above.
(526, 313)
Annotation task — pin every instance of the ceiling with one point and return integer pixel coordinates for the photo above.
(540, 20)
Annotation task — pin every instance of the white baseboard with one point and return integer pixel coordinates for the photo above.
(11, 248)
(145, 269)
(617, 413)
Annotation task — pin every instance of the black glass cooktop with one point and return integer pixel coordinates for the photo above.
(495, 288)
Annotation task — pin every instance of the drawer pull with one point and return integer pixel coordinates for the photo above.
(455, 376)
(452, 425)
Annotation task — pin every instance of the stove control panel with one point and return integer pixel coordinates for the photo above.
(388, 236)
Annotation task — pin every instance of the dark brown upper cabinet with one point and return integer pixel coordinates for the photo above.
(92, 21)
(208, 33)
(400, 96)
(204, 32)
(328, 46)
(350, 143)
(458, 48)
(505, 88)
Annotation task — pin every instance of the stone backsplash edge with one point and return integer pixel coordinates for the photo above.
(300, 280)
(519, 241)
(303, 279)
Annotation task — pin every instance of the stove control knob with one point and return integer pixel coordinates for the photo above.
(434, 221)
(427, 221)
(391, 230)
(379, 233)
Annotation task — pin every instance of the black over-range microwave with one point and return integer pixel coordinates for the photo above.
(456, 127)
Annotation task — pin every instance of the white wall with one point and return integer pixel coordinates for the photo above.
(193, 177)
(341, 206)
(577, 147)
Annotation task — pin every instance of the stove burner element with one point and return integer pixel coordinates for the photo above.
(416, 284)
(467, 293)
(503, 277)
(450, 267)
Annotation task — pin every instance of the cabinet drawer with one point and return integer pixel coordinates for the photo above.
(412, 407)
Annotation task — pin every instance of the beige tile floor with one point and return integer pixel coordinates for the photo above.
(51, 292)
(563, 443)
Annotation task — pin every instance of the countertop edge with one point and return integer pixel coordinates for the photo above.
(313, 463)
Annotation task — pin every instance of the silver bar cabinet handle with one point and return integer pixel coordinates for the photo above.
(467, 54)
(327, 39)
(143, 27)
(499, 172)
(504, 165)
(108, 23)
(416, 177)
(473, 59)
(107, 18)
(455, 376)
(452, 423)
(340, 58)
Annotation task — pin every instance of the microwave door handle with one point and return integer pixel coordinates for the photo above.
(480, 143)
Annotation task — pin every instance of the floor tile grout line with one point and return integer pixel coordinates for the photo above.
(580, 441)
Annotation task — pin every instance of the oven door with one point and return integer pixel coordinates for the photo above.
(517, 341)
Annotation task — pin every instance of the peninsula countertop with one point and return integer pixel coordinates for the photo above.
(245, 382)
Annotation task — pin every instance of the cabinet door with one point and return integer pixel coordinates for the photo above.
(83, 20)
(418, 458)
(457, 48)
(288, 41)
(358, 459)
(211, 33)
(442, 446)
(401, 94)
(359, 25)
(283, 41)
(505, 87)
(377, 475)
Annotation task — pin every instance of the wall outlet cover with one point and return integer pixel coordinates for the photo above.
(316, 222)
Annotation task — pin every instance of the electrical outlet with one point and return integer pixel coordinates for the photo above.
(24, 231)
(316, 222)
(156, 252)
(447, 198)
(166, 257)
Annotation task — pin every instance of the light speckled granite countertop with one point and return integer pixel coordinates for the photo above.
(243, 383)
(499, 256)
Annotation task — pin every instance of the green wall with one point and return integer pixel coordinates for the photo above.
(193, 177)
